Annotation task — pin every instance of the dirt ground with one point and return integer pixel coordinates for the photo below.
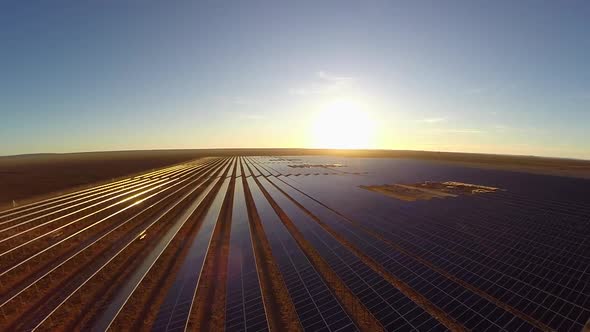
(29, 177)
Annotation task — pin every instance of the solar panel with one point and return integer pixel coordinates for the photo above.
(529, 256)
(316, 306)
(407, 271)
(387, 303)
(244, 303)
(175, 310)
(517, 259)
(510, 280)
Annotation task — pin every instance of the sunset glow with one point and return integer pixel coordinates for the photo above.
(343, 125)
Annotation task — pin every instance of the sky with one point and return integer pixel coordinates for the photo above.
(507, 77)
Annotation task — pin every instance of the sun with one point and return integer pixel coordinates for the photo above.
(342, 125)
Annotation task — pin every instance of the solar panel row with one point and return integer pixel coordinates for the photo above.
(244, 303)
(316, 306)
(393, 309)
(521, 275)
(174, 312)
(506, 266)
(293, 243)
(474, 278)
(412, 272)
(532, 256)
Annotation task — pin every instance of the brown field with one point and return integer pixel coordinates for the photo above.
(428, 190)
(34, 176)
(134, 255)
(30, 177)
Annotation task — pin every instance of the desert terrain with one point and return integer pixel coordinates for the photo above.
(251, 242)
(25, 178)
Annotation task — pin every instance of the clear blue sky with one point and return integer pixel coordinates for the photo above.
(479, 76)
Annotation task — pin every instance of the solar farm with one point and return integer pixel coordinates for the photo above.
(302, 243)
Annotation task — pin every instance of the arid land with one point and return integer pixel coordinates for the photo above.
(26, 178)
(230, 238)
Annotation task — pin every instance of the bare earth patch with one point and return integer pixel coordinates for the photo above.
(428, 190)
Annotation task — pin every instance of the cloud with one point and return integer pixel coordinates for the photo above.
(475, 91)
(241, 101)
(251, 116)
(299, 91)
(501, 127)
(245, 115)
(329, 77)
(325, 83)
(458, 131)
(433, 120)
(464, 131)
